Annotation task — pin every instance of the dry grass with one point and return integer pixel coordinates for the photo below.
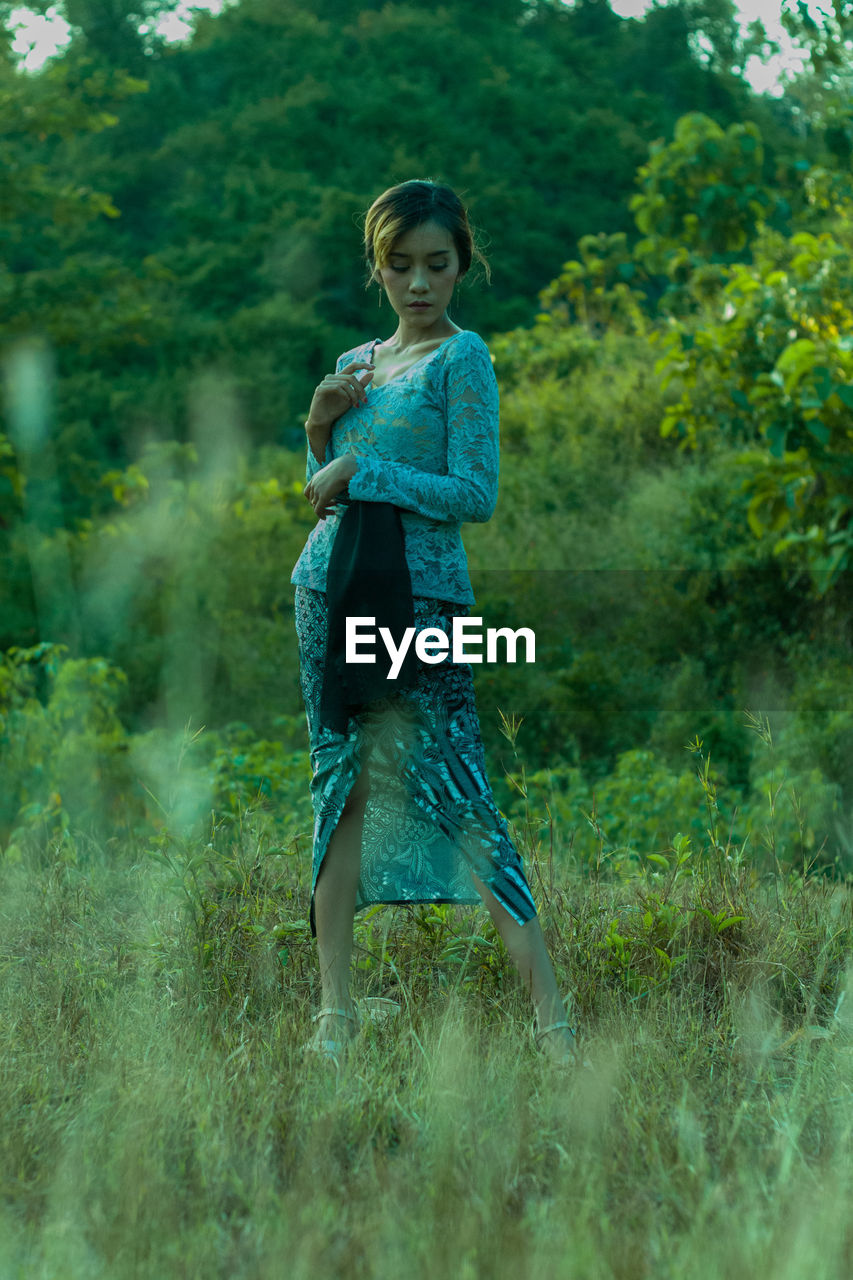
(158, 1119)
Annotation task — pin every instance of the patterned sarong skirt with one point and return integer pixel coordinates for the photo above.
(430, 817)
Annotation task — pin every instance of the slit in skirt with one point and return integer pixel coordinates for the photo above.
(430, 817)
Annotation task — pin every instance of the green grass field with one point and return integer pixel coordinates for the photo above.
(159, 1120)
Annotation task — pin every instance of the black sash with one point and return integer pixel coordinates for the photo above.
(367, 576)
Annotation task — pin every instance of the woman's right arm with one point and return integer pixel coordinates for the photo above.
(318, 445)
(337, 392)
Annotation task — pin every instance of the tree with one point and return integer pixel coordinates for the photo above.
(762, 351)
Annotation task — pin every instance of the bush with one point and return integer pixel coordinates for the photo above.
(63, 749)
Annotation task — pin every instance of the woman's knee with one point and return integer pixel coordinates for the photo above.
(357, 797)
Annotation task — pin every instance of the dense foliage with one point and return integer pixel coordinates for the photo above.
(181, 230)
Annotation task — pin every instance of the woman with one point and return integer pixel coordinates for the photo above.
(402, 448)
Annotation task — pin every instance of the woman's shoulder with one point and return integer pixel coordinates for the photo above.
(468, 348)
(361, 352)
(465, 342)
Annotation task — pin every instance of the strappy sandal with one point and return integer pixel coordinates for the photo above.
(377, 1010)
(573, 1058)
(331, 1050)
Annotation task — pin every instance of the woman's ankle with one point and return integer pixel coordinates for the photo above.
(550, 1011)
(337, 1001)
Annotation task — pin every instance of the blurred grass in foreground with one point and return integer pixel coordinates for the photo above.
(157, 1119)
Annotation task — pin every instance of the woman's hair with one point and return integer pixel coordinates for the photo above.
(408, 205)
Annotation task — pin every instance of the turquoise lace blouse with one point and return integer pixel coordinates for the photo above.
(428, 442)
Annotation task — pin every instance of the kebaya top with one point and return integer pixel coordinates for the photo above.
(426, 441)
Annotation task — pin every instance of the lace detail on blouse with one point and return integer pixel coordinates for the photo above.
(428, 442)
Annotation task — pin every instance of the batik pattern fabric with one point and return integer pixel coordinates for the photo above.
(430, 818)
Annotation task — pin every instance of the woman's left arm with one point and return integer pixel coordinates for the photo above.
(469, 490)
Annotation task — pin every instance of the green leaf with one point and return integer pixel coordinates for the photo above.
(823, 381)
(845, 394)
(797, 357)
(777, 434)
(818, 429)
(658, 857)
(724, 924)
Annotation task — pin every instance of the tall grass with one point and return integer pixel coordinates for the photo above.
(158, 1118)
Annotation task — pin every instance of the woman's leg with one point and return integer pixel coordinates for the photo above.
(334, 911)
(526, 946)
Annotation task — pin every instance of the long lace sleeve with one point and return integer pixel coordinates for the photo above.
(313, 466)
(469, 490)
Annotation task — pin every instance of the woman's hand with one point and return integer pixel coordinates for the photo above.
(337, 393)
(325, 485)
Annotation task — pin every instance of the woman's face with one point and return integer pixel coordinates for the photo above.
(423, 267)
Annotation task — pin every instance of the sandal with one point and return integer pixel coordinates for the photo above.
(573, 1057)
(331, 1050)
(377, 1010)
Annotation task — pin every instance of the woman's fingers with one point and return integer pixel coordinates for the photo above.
(321, 503)
(348, 373)
(349, 387)
(355, 389)
(346, 383)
